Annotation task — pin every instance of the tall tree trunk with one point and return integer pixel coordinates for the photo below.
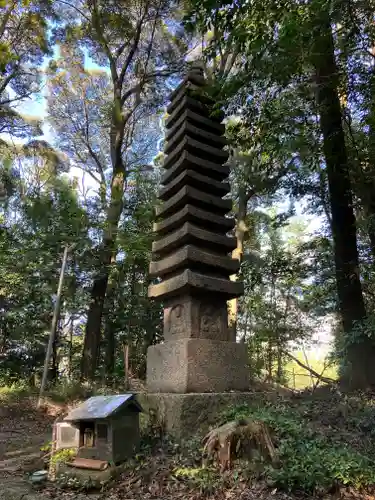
(359, 357)
(99, 288)
(370, 184)
(109, 336)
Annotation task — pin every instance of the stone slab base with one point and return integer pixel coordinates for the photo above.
(183, 415)
(197, 365)
(96, 477)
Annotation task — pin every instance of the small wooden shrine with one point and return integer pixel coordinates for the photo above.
(102, 428)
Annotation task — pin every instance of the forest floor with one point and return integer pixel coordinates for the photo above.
(318, 462)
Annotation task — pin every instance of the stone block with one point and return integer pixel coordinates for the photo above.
(196, 215)
(186, 415)
(194, 179)
(190, 282)
(187, 161)
(189, 195)
(191, 257)
(196, 317)
(189, 233)
(197, 365)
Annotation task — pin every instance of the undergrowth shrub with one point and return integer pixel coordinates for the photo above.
(309, 461)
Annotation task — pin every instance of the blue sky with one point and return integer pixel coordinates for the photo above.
(37, 106)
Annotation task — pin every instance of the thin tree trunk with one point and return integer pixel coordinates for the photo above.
(55, 367)
(279, 375)
(70, 365)
(237, 253)
(93, 326)
(351, 304)
(55, 319)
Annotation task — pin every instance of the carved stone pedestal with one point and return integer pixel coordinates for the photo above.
(183, 415)
(197, 365)
(194, 317)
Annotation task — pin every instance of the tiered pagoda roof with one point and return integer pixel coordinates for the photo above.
(191, 253)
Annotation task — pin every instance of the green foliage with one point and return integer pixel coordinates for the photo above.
(206, 479)
(63, 456)
(310, 461)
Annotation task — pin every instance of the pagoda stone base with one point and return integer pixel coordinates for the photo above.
(185, 415)
(197, 365)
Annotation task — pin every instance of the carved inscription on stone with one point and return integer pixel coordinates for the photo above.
(176, 320)
(210, 322)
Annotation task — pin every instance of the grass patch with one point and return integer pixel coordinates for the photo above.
(310, 461)
(16, 391)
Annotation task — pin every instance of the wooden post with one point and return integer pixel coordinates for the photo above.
(55, 319)
(126, 365)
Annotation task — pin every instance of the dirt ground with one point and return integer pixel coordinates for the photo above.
(23, 432)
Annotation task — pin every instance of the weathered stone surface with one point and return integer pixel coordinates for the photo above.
(182, 415)
(188, 161)
(194, 105)
(191, 81)
(195, 132)
(192, 117)
(197, 365)
(189, 233)
(188, 257)
(196, 317)
(194, 179)
(196, 215)
(189, 195)
(189, 281)
(197, 148)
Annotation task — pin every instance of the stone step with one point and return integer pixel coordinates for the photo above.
(18, 453)
(16, 463)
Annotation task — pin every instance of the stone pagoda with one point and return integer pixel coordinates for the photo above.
(192, 254)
